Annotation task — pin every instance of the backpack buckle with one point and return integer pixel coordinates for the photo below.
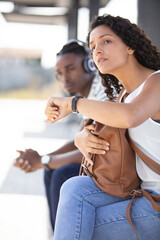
(135, 193)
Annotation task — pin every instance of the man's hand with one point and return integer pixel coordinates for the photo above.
(28, 160)
(88, 143)
(57, 108)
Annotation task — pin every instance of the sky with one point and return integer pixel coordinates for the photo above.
(51, 38)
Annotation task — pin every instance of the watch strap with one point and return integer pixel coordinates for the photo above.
(74, 103)
(47, 167)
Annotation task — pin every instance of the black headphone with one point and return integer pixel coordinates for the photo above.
(88, 63)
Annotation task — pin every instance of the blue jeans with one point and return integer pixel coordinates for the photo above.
(87, 213)
(53, 180)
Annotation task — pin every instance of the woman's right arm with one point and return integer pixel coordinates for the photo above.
(123, 115)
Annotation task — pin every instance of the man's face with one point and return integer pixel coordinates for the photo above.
(70, 73)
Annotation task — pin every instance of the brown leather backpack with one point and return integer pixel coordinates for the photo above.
(114, 172)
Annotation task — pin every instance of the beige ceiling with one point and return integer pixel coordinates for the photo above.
(18, 15)
(53, 3)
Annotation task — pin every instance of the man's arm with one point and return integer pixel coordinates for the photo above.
(67, 158)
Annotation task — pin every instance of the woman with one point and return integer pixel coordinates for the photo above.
(124, 57)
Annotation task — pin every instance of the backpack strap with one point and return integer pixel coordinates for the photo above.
(154, 166)
(137, 193)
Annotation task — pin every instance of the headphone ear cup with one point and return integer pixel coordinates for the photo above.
(88, 65)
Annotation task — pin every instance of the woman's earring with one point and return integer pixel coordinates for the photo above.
(130, 51)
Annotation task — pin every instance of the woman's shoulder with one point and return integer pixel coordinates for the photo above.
(150, 85)
(154, 75)
(156, 72)
(154, 79)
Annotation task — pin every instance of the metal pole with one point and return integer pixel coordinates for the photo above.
(149, 18)
(94, 6)
(73, 19)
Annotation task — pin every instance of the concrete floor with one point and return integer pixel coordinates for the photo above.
(23, 206)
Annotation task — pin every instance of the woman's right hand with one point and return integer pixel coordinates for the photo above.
(89, 144)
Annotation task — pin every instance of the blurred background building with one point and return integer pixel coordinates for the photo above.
(33, 31)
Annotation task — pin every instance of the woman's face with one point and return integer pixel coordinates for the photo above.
(110, 54)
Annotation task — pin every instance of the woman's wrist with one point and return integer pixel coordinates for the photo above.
(74, 102)
(69, 103)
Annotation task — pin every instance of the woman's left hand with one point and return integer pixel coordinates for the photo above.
(89, 144)
(57, 108)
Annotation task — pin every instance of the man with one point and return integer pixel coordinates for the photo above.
(76, 72)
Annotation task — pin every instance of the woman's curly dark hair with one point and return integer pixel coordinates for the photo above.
(135, 38)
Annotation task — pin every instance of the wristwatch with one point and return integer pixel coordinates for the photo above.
(45, 160)
(74, 103)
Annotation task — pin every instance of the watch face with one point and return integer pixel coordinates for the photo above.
(45, 159)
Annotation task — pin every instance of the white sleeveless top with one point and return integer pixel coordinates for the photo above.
(147, 138)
